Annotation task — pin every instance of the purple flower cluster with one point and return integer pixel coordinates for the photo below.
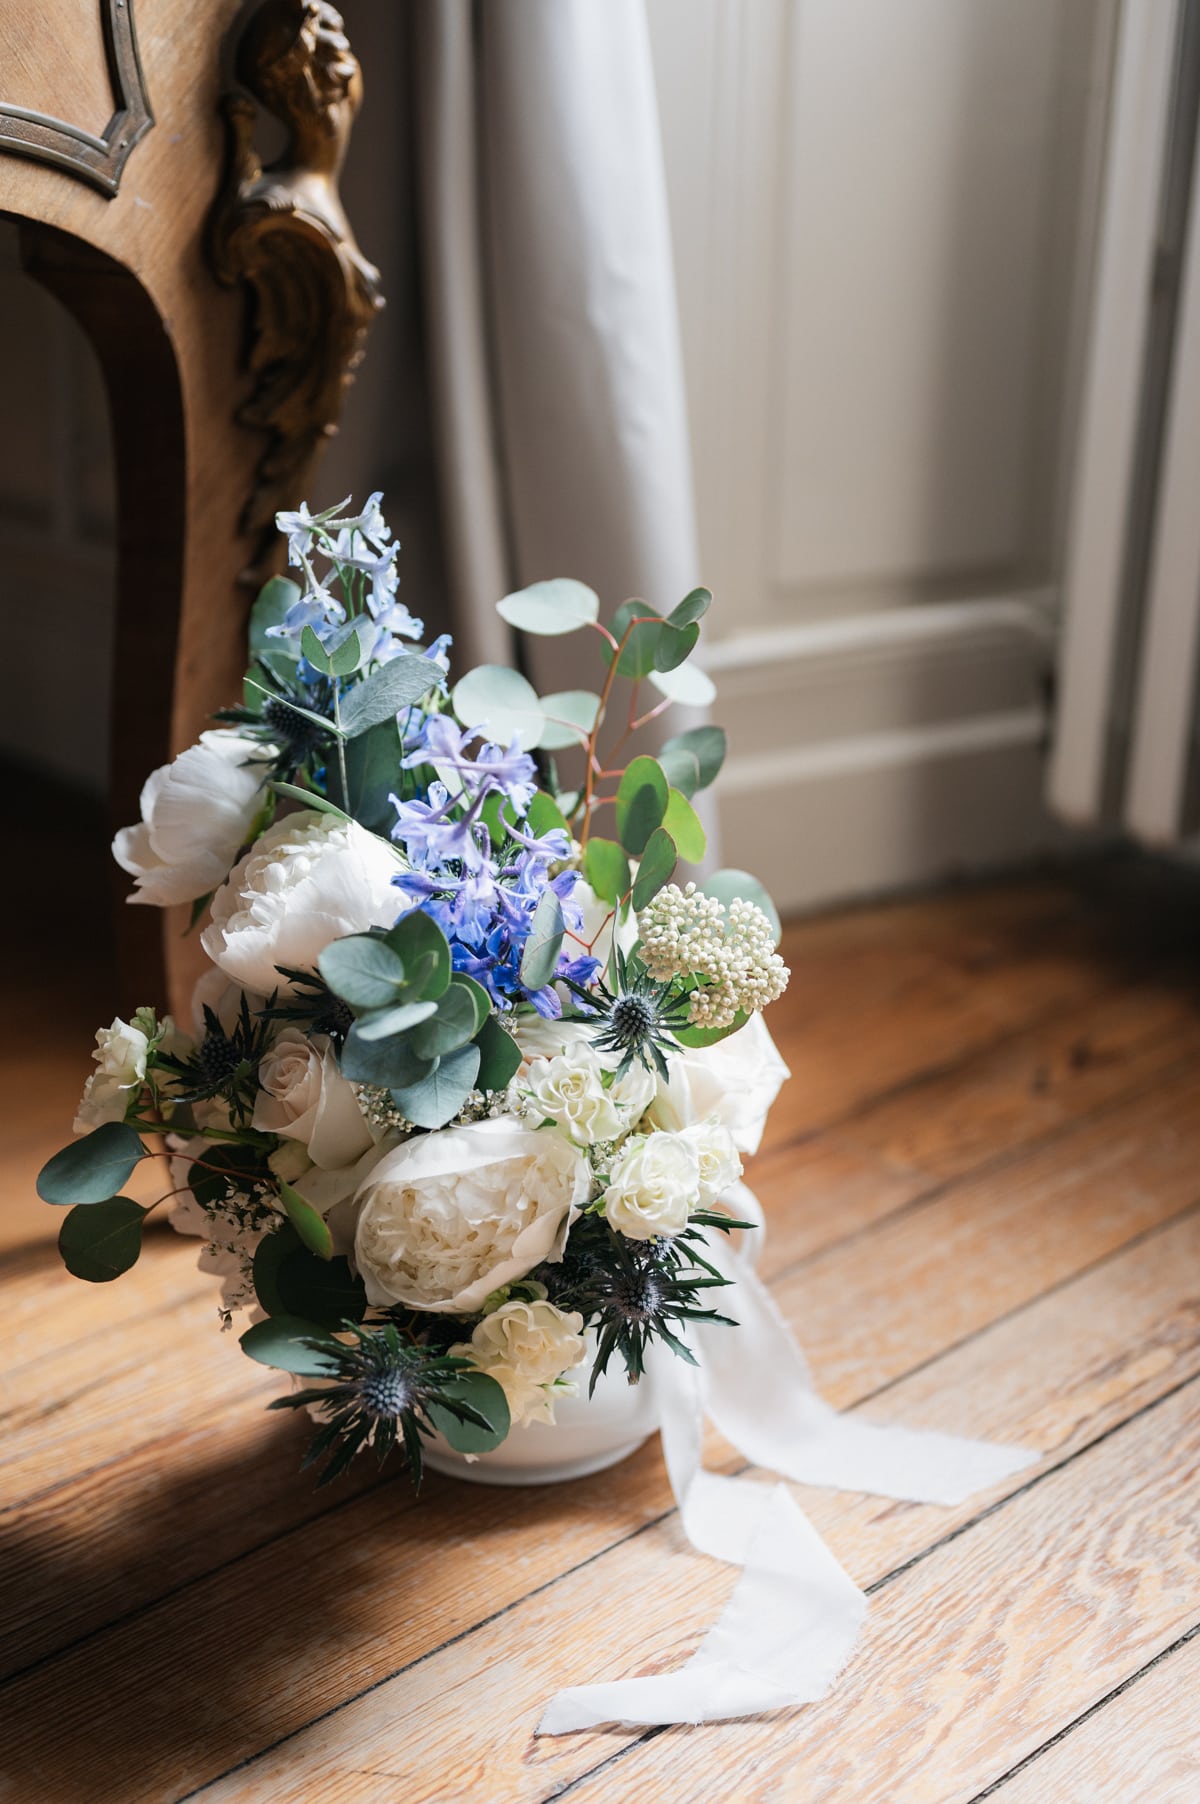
(484, 897)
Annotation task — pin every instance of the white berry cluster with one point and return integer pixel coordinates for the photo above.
(731, 951)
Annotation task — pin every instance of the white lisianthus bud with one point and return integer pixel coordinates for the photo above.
(120, 1057)
(569, 1090)
(310, 879)
(197, 813)
(526, 1348)
(720, 1166)
(653, 1186)
(304, 1097)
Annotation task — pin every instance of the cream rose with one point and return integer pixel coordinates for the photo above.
(120, 1057)
(197, 813)
(630, 1096)
(310, 879)
(653, 1186)
(447, 1218)
(569, 1091)
(304, 1097)
(736, 1081)
(720, 1166)
(526, 1348)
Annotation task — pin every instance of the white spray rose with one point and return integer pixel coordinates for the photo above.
(447, 1218)
(310, 879)
(526, 1348)
(540, 1039)
(304, 1097)
(197, 813)
(720, 1166)
(569, 1090)
(736, 1081)
(120, 1057)
(653, 1186)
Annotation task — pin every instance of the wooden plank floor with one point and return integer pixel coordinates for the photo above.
(983, 1195)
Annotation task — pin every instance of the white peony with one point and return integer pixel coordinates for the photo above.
(304, 1097)
(720, 1166)
(653, 1186)
(736, 1081)
(447, 1218)
(197, 813)
(526, 1348)
(310, 879)
(120, 1057)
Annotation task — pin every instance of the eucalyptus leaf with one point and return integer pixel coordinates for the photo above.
(394, 686)
(315, 652)
(693, 607)
(689, 685)
(656, 867)
(559, 605)
(454, 1021)
(226, 1168)
(93, 1168)
(271, 604)
(324, 1291)
(372, 774)
(482, 1394)
(637, 658)
(432, 1102)
(685, 827)
(641, 803)
(606, 868)
(311, 1226)
(364, 971)
(740, 886)
(702, 746)
(673, 645)
(347, 655)
(501, 703)
(389, 1063)
(539, 959)
(570, 717)
(99, 1241)
(279, 1342)
(499, 1056)
(269, 1255)
(418, 938)
(481, 1002)
(383, 1023)
(710, 1036)
(545, 815)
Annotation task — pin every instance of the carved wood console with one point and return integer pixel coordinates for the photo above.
(227, 303)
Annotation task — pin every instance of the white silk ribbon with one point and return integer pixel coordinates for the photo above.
(794, 1616)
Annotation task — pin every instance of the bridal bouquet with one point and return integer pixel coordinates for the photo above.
(472, 1065)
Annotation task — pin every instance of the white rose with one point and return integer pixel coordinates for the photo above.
(720, 1166)
(526, 1348)
(736, 1081)
(197, 813)
(120, 1057)
(305, 1097)
(569, 1090)
(653, 1186)
(310, 879)
(449, 1217)
(542, 1039)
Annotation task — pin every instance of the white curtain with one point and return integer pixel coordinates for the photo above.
(555, 363)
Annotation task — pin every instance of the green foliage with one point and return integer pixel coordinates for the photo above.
(364, 971)
(227, 1168)
(539, 959)
(425, 951)
(390, 1063)
(544, 815)
(270, 605)
(694, 606)
(685, 827)
(499, 1056)
(560, 605)
(501, 704)
(570, 717)
(385, 1023)
(637, 659)
(99, 1241)
(656, 868)
(284, 1342)
(269, 1255)
(309, 798)
(674, 644)
(432, 1101)
(480, 1394)
(642, 796)
(319, 1290)
(606, 868)
(373, 771)
(692, 759)
(740, 886)
(341, 662)
(710, 1036)
(454, 1021)
(93, 1168)
(393, 687)
(311, 1226)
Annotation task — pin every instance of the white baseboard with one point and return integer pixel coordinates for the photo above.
(888, 750)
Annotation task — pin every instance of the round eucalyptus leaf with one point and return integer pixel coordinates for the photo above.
(280, 1342)
(685, 827)
(501, 704)
(92, 1168)
(570, 717)
(560, 605)
(482, 1394)
(689, 685)
(99, 1241)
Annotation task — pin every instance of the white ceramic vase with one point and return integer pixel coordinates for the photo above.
(589, 1434)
